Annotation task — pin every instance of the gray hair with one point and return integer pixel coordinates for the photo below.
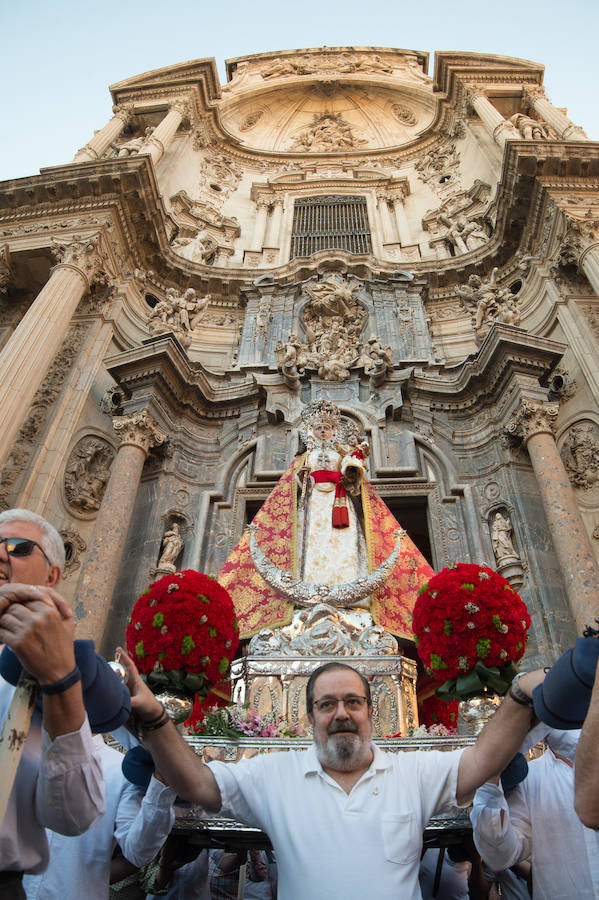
(51, 541)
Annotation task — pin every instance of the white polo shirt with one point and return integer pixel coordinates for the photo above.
(331, 845)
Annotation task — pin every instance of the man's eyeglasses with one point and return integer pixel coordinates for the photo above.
(351, 703)
(22, 547)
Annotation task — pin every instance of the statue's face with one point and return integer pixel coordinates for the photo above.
(322, 431)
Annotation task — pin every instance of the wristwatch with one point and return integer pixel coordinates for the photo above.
(517, 694)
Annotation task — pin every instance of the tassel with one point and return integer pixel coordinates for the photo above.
(340, 518)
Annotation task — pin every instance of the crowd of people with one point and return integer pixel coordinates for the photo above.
(345, 819)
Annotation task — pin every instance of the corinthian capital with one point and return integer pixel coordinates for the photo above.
(532, 417)
(140, 429)
(532, 92)
(123, 111)
(81, 253)
(182, 106)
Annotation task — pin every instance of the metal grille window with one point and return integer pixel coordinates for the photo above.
(325, 223)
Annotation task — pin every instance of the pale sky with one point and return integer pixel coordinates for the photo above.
(59, 58)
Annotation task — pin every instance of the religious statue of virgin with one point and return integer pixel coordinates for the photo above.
(324, 536)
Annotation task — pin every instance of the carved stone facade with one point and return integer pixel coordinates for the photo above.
(158, 270)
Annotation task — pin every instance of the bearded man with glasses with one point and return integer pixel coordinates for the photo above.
(59, 782)
(345, 818)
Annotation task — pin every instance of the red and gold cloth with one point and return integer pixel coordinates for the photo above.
(258, 605)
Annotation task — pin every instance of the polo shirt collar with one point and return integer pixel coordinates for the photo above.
(310, 763)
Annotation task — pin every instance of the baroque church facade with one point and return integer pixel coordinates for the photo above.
(336, 223)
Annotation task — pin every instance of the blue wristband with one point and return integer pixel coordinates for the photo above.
(59, 687)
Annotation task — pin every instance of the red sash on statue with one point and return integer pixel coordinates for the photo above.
(340, 518)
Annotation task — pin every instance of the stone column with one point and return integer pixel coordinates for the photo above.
(403, 227)
(385, 217)
(589, 264)
(498, 127)
(35, 341)
(102, 140)
(162, 136)
(138, 432)
(275, 224)
(534, 423)
(560, 123)
(260, 226)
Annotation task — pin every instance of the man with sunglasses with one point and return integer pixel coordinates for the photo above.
(345, 818)
(59, 781)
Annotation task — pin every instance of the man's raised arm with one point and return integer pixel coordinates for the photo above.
(180, 767)
(500, 739)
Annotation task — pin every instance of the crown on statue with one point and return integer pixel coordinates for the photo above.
(319, 412)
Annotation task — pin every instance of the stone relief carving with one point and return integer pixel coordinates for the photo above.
(324, 631)
(327, 132)
(530, 129)
(439, 167)
(263, 317)
(134, 146)
(580, 455)
(404, 114)
(252, 119)
(178, 314)
(172, 544)
(203, 232)
(26, 440)
(344, 63)
(462, 233)
(487, 303)
(333, 322)
(200, 248)
(87, 472)
(74, 547)
(219, 175)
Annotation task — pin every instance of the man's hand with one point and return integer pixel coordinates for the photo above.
(37, 624)
(143, 702)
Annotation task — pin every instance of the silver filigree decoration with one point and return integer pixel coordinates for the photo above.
(302, 593)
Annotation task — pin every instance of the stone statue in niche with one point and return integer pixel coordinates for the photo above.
(263, 317)
(530, 129)
(87, 473)
(463, 234)
(501, 537)
(328, 132)
(172, 544)
(135, 146)
(487, 303)
(580, 455)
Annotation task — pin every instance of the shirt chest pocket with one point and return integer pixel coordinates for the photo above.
(402, 838)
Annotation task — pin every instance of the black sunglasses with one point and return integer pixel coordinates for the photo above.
(22, 547)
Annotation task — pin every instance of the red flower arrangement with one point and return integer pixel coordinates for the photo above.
(434, 711)
(470, 628)
(183, 633)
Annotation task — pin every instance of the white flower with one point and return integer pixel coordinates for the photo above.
(470, 625)
(471, 608)
(172, 587)
(463, 663)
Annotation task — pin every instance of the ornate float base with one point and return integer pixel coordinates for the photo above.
(278, 684)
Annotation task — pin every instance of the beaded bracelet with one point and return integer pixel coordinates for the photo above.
(59, 687)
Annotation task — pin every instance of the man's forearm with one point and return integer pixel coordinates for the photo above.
(63, 713)
(499, 740)
(181, 768)
(586, 767)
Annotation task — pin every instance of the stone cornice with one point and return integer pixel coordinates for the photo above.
(452, 68)
(160, 375)
(481, 378)
(200, 74)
